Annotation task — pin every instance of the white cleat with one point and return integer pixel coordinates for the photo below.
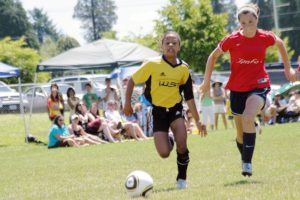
(181, 184)
(247, 169)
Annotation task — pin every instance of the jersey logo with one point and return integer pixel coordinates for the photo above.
(162, 74)
(248, 62)
(178, 113)
(168, 84)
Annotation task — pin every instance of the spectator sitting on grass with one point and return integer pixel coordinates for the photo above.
(131, 128)
(75, 129)
(59, 135)
(96, 124)
(90, 125)
(136, 116)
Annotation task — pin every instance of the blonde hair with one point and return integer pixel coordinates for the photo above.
(249, 8)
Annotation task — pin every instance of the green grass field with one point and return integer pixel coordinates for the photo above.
(29, 171)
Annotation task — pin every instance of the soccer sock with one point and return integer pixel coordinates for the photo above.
(182, 164)
(240, 147)
(248, 147)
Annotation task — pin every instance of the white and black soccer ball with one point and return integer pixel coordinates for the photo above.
(139, 183)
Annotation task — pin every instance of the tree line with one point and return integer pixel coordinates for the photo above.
(28, 37)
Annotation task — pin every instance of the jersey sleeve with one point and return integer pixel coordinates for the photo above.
(226, 43)
(187, 86)
(142, 74)
(270, 38)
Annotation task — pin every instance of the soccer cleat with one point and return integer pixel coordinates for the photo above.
(181, 184)
(258, 128)
(247, 169)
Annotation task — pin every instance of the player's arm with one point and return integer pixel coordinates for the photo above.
(127, 105)
(189, 98)
(210, 64)
(289, 72)
(140, 76)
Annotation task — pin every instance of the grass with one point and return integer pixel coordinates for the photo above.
(29, 171)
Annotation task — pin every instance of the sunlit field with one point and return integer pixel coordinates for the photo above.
(30, 171)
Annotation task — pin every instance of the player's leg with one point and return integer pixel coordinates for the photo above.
(160, 128)
(254, 104)
(239, 133)
(183, 159)
(162, 143)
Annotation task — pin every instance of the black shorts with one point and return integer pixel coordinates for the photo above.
(163, 117)
(238, 99)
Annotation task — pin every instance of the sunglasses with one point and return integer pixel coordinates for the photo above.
(61, 120)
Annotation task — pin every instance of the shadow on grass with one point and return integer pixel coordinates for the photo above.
(3, 145)
(165, 190)
(242, 182)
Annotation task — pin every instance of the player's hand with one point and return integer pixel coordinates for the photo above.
(201, 128)
(127, 109)
(290, 75)
(204, 87)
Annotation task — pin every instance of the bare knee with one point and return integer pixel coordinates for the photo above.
(164, 154)
(248, 119)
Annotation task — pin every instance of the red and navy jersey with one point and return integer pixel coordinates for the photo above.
(247, 56)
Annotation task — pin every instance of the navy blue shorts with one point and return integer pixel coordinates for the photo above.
(163, 117)
(238, 99)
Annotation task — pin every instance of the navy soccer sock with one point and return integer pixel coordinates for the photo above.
(240, 147)
(248, 146)
(182, 164)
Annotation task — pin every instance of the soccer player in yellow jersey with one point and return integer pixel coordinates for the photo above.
(165, 78)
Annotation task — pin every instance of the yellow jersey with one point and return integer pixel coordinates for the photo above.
(164, 81)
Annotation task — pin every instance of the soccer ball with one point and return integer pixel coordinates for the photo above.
(139, 183)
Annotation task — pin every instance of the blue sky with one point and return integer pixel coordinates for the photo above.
(133, 15)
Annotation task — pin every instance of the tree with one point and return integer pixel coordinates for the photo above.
(14, 52)
(65, 43)
(200, 29)
(97, 16)
(14, 22)
(48, 49)
(42, 25)
(289, 17)
(266, 20)
(148, 40)
(226, 6)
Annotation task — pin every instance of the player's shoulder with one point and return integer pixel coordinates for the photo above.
(233, 35)
(265, 33)
(185, 64)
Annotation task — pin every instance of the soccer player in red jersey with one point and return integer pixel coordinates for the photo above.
(248, 82)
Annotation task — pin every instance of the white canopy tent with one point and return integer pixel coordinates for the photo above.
(102, 53)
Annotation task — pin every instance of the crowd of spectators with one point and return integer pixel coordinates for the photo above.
(277, 110)
(99, 119)
(93, 119)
